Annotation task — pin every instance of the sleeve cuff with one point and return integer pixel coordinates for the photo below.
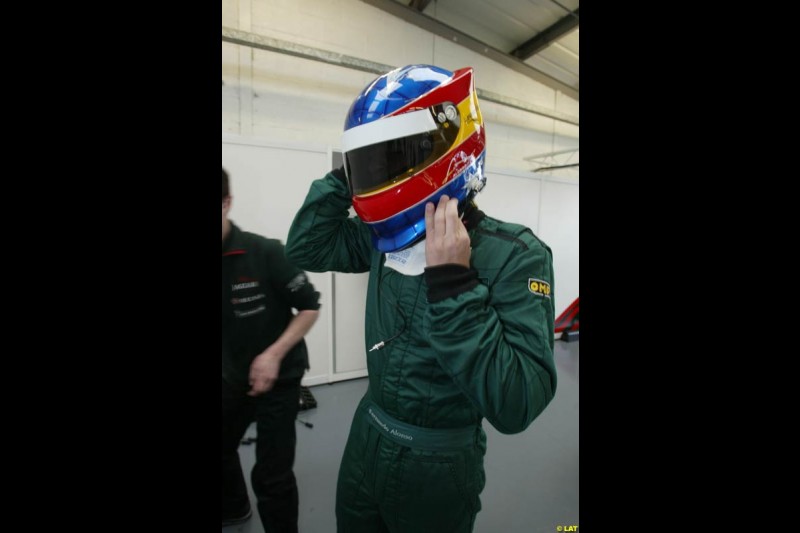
(339, 174)
(445, 281)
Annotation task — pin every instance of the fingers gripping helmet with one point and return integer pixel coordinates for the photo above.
(411, 136)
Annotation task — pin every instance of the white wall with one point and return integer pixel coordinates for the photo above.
(281, 100)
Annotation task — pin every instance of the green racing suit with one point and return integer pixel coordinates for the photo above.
(450, 348)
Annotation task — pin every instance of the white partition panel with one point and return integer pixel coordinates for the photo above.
(350, 356)
(511, 197)
(558, 227)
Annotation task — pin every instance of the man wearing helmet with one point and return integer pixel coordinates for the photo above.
(459, 305)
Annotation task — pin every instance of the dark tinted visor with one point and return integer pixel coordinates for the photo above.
(376, 166)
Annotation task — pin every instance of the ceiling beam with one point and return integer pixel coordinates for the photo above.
(447, 32)
(543, 39)
(554, 167)
(419, 5)
(232, 35)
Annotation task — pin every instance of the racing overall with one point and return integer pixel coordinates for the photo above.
(450, 349)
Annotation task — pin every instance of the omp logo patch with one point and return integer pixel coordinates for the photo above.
(537, 286)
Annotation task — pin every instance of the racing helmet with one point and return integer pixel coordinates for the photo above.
(412, 135)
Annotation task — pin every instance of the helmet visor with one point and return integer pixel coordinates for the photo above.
(377, 166)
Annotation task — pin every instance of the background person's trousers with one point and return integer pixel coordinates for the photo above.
(272, 477)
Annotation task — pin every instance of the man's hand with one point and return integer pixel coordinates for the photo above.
(447, 240)
(263, 372)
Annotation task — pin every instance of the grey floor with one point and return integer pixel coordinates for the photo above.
(531, 477)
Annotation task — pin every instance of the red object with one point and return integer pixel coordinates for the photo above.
(568, 320)
(455, 89)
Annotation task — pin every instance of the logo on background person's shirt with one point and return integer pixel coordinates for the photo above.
(247, 299)
(297, 282)
(537, 286)
(249, 312)
(245, 285)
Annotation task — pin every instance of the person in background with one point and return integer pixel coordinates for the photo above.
(264, 357)
(459, 310)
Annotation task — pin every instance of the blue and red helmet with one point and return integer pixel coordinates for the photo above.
(411, 136)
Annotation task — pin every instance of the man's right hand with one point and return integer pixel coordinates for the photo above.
(446, 238)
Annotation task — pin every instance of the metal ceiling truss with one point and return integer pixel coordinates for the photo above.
(560, 159)
(419, 5)
(432, 25)
(547, 36)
